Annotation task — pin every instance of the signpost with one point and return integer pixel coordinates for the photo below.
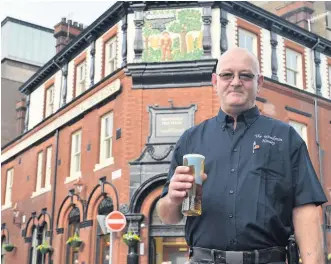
(115, 222)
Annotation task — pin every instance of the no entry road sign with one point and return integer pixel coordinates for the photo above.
(115, 221)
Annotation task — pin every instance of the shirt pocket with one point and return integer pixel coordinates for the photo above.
(268, 161)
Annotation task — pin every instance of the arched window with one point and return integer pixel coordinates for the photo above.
(3, 242)
(43, 240)
(106, 206)
(35, 256)
(74, 220)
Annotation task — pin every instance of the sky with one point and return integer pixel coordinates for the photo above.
(48, 13)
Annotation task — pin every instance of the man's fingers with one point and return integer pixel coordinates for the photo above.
(181, 185)
(183, 178)
(178, 194)
(182, 170)
(204, 177)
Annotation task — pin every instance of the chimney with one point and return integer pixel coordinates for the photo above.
(20, 116)
(297, 12)
(65, 31)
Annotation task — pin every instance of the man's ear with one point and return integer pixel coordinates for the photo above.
(260, 81)
(214, 80)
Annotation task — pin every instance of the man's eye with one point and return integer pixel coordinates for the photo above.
(226, 74)
(247, 75)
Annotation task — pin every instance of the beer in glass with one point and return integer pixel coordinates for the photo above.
(192, 204)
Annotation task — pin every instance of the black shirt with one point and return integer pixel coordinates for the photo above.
(257, 174)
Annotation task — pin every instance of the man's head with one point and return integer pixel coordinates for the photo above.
(237, 80)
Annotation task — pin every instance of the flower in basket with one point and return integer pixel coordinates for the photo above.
(74, 241)
(8, 247)
(329, 256)
(44, 248)
(131, 238)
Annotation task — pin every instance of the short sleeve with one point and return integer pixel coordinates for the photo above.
(307, 187)
(176, 160)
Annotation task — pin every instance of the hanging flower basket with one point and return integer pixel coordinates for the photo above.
(8, 247)
(329, 256)
(131, 239)
(74, 241)
(44, 248)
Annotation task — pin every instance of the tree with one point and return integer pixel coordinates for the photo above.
(149, 31)
(187, 20)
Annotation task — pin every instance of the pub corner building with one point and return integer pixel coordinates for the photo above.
(104, 114)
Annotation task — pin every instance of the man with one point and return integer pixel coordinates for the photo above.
(261, 186)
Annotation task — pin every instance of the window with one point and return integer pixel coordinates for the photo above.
(73, 228)
(49, 101)
(328, 216)
(106, 137)
(9, 186)
(34, 254)
(39, 171)
(293, 66)
(110, 53)
(48, 167)
(301, 129)
(43, 240)
(80, 77)
(103, 240)
(76, 139)
(247, 40)
(3, 242)
(329, 71)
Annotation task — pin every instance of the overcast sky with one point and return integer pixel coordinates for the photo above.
(48, 13)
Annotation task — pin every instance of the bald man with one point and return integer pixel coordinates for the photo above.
(259, 183)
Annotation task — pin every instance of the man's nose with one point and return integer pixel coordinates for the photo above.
(236, 81)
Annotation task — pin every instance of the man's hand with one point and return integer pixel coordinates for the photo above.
(180, 184)
(169, 207)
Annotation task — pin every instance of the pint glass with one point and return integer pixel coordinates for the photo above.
(192, 204)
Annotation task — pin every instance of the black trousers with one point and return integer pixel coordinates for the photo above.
(208, 262)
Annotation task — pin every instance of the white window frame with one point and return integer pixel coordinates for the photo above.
(49, 101)
(75, 156)
(110, 59)
(301, 128)
(9, 188)
(39, 171)
(297, 71)
(328, 93)
(80, 78)
(106, 139)
(247, 34)
(48, 172)
(34, 244)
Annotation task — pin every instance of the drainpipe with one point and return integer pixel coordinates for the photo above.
(320, 161)
(54, 193)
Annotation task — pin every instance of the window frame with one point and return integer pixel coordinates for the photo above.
(111, 60)
(246, 33)
(328, 216)
(301, 64)
(39, 174)
(73, 154)
(80, 82)
(111, 34)
(304, 130)
(49, 105)
(9, 187)
(48, 167)
(297, 73)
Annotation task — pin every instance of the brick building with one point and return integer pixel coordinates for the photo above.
(105, 112)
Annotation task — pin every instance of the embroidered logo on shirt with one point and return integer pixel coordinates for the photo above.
(268, 139)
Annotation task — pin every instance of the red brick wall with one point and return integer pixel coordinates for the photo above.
(130, 114)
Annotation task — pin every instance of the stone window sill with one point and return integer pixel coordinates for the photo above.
(41, 191)
(74, 177)
(104, 164)
(6, 206)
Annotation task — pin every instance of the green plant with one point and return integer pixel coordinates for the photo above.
(74, 241)
(131, 238)
(8, 247)
(329, 256)
(44, 248)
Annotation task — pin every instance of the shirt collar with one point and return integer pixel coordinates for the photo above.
(249, 116)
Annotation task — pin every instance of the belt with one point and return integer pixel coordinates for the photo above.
(273, 254)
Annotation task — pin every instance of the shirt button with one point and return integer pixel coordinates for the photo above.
(231, 191)
(230, 215)
(232, 132)
(231, 242)
(232, 170)
(235, 150)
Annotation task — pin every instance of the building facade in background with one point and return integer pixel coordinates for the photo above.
(101, 129)
(25, 47)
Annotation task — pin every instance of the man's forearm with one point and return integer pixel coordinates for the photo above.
(169, 213)
(308, 234)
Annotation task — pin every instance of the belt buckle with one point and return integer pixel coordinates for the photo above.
(234, 257)
(216, 257)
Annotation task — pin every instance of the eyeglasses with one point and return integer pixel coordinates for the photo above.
(228, 76)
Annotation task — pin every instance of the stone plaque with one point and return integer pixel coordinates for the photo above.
(171, 125)
(167, 124)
